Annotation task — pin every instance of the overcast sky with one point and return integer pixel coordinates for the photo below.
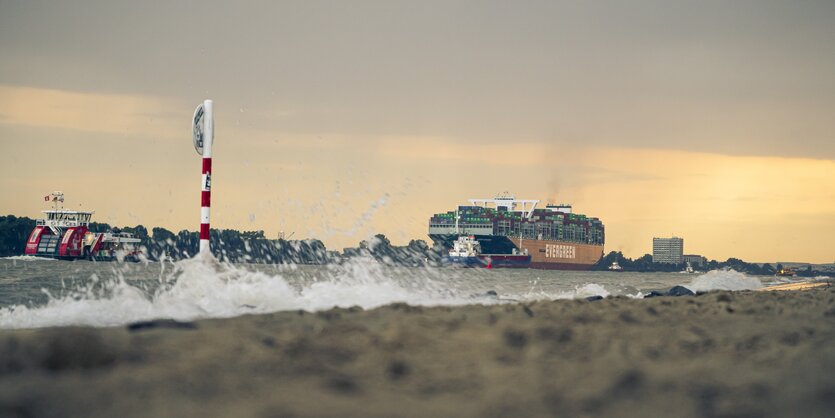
(326, 109)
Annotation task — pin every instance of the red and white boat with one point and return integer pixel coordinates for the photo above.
(64, 234)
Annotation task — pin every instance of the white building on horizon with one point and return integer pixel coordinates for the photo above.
(668, 250)
(695, 260)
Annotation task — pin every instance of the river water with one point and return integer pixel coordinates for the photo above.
(41, 292)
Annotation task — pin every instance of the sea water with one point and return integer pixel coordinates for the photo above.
(36, 292)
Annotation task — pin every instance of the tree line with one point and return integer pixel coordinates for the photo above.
(233, 246)
(645, 264)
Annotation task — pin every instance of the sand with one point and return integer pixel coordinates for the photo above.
(741, 354)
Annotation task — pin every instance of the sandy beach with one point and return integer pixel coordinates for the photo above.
(720, 354)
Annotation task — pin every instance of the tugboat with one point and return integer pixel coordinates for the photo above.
(64, 234)
(466, 252)
(615, 266)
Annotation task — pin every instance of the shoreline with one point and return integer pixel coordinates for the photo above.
(744, 353)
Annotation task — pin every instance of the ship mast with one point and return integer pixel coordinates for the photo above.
(521, 222)
(56, 198)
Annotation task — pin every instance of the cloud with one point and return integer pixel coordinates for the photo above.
(92, 112)
(433, 150)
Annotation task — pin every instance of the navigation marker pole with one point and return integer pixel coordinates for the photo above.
(203, 136)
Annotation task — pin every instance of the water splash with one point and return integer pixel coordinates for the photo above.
(584, 291)
(579, 292)
(724, 280)
(202, 287)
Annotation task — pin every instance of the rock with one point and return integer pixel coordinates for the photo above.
(680, 291)
(161, 323)
(490, 294)
(673, 291)
(594, 298)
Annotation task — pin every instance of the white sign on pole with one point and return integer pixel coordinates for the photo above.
(197, 129)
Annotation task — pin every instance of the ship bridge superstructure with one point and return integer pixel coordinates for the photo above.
(59, 220)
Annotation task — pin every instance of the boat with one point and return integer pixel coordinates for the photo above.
(508, 229)
(65, 235)
(115, 246)
(466, 252)
(615, 266)
(688, 269)
(785, 272)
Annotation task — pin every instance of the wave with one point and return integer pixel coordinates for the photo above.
(27, 258)
(204, 288)
(584, 291)
(724, 280)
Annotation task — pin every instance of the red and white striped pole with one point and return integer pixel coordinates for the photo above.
(203, 126)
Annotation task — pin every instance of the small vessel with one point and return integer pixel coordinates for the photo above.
(466, 252)
(64, 234)
(615, 266)
(785, 272)
(689, 269)
(115, 246)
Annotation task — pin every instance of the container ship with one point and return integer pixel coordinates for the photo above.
(553, 237)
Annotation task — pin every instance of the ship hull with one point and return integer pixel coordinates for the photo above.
(489, 261)
(456, 261)
(544, 254)
(560, 255)
(561, 266)
(511, 261)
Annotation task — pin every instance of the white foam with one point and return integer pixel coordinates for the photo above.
(203, 288)
(27, 258)
(724, 280)
(583, 291)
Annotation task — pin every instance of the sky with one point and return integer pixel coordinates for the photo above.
(709, 120)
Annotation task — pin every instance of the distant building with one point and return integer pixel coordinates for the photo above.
(694, 260)
(668, 250)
